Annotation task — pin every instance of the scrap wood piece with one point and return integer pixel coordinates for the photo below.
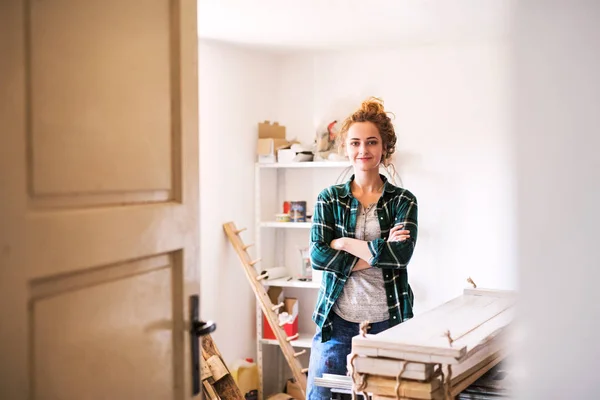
(225, 387)
(209, 391)
(205, 372)
(266, 305)
(217, 367)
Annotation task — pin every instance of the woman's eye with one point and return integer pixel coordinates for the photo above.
(373, 142)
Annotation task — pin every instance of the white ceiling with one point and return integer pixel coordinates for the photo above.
(326, 24)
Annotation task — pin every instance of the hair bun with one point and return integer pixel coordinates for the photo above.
(373, 105)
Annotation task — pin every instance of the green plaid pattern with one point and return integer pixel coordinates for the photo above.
(335, 217)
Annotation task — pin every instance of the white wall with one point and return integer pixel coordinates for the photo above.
(237, 90)
(451, 102)
(556, 104)
(458, 153)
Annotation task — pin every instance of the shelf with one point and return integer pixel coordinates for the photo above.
(292, 225)
(304, 341)
(308, 164)
(283, 282)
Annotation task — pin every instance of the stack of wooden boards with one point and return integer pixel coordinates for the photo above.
(438, 354)
(217, 382)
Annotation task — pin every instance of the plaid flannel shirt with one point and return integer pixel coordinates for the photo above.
(334, 217)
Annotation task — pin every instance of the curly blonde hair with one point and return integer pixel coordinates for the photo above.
(372, 110)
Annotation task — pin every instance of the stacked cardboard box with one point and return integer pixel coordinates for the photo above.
(271, 138)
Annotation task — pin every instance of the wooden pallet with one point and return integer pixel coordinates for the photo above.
(268, 308)
(217, 382)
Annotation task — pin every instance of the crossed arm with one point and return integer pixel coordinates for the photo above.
(345, 255)
(360, 248)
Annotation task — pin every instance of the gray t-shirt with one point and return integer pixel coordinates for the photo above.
(363, 296)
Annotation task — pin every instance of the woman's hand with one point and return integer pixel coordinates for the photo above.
(397, 234)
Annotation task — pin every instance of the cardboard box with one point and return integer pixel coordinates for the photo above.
(275, 294)
(291, 328)
(286, 155)
(271, 137)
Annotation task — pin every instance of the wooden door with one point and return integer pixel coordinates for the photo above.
(98, 198)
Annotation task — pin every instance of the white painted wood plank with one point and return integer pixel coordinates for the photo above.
(425, 333)
(483, 356)
(490, 292)
(420, 323)
(478, 336)
(391, 368)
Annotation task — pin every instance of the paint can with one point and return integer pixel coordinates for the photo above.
(298, 211)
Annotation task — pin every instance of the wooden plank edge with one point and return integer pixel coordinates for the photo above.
(372, 342)
(490, 292)
(471, 378)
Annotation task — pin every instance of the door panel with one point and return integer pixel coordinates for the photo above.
(101, 97)
(102, 312)
(98, 198)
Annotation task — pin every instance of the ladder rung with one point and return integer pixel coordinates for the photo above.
(252, 263)
(277, 306)
(300, 353)
(304, 370)
(290, 338)
(238, 231)
(247, 246)
(261, 277)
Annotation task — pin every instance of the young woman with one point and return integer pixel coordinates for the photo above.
(362, 237)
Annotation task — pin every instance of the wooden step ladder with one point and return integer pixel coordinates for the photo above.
(268, 308)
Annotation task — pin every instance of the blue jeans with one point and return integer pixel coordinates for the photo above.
(330, 357)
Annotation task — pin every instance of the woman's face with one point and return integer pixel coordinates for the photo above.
(364, 146)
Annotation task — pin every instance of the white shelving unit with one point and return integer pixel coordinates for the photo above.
(293, 283)
(275, 242)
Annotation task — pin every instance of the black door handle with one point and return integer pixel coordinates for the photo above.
(201, 328)
(197, 330)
